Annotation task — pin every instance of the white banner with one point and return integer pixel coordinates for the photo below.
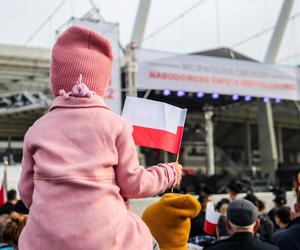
(193, 73)
(111, 32)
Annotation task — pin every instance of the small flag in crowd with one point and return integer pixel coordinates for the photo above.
(2, 195)
(3, 188)
(211, 219)
(155, 124)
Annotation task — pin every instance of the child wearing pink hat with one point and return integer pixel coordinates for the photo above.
(80, 163)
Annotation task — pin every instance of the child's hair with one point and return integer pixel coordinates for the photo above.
(14, 228)
(3, 221)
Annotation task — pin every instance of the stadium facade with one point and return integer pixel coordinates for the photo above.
(25, 96)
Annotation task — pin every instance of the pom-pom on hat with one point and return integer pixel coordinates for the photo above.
(80, 50)
(169, 220)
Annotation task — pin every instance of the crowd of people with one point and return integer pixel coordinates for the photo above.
(13, 204)
(273, 226)
(13, 217)
(177, 221)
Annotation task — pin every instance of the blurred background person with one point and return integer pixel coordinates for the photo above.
(222, 230)
(234, 189)
(222, 206)
(197, 223)
(242, 219)
(8, 207)
(282, 218)
(197, 234)
(279, 201)
(289, 238)
(266, 228)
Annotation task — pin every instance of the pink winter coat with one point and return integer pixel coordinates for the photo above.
(79, 162)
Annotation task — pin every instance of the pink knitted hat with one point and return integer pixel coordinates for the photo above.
(81, 51)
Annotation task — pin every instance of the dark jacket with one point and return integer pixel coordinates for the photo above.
(7, 208)
(289, 239)
(271, 215)
(20, 208)
(266, 228)
(242, 241)
(197, 225)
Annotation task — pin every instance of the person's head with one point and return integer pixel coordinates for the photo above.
(283, 217)
(261, 206)
(169, 220)
(252, 198)
(80, 51)
(12, 196)
(233, 190)
(256, 202)
(242, 216)
(13, 228)
(205, 195)
(207, 192)
(279, 191)
(222, 206)
(280, 201)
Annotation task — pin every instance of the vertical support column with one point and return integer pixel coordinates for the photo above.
(248, 145)
(280, 144)
(10, 151)
(209, 129)
(5, 164)
(279, 30)
(140, 22)
(131, 71)
(267, 142)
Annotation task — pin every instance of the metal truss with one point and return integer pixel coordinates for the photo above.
(22, 102)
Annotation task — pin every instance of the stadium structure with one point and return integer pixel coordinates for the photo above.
(222, 134)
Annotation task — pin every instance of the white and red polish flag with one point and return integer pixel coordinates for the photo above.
(155, 124)
(211, 219)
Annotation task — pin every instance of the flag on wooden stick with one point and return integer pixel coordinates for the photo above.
(155, 124)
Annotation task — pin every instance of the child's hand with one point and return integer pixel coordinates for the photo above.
(178, 168)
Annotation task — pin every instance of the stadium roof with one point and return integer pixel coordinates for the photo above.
(24, 68)
(24, 77)
(224, 53)
(24, 88)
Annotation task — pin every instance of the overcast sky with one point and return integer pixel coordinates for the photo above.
(212, 24)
